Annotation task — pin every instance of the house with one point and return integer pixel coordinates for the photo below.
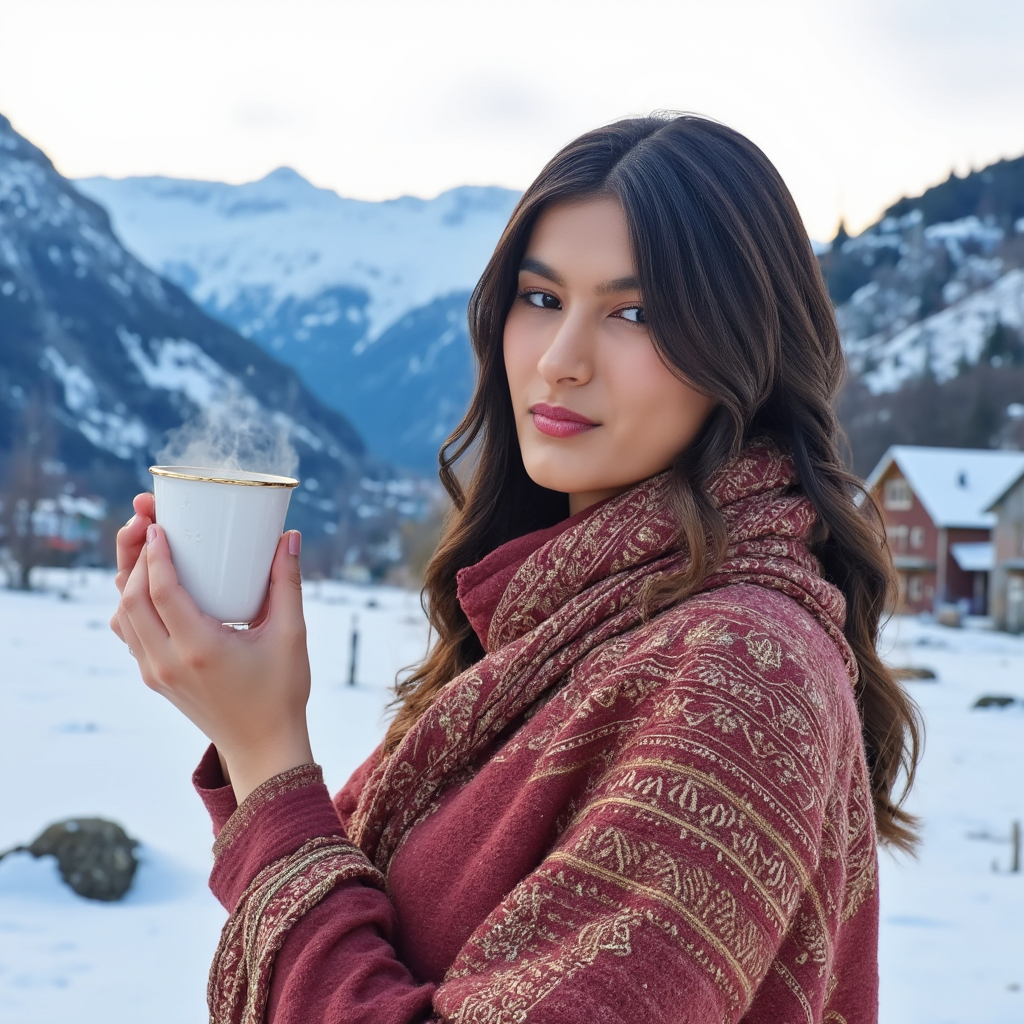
(69, 523)
(1007, 593)
(936, 506)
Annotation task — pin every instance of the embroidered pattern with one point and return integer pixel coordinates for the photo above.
(720, 819)
(279, 895)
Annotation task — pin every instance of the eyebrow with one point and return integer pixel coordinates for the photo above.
(530, 265)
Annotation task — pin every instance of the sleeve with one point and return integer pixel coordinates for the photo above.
(217, 796)
(310, 934)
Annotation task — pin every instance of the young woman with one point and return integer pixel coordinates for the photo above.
(640, 775)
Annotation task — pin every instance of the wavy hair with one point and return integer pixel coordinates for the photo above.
(736, 306)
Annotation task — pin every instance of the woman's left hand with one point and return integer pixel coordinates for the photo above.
(245, 689)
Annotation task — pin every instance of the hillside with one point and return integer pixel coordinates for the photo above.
(930, 303)
(100, 357)
(365, 300)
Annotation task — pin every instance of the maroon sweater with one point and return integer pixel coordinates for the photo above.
(609, 818)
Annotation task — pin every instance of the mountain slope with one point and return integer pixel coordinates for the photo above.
(923, 289)
(354, 295)
(935, 288)
(120, 356)
(930, 304)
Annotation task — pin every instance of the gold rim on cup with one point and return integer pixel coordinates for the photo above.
(274, 481)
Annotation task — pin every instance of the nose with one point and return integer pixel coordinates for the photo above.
(568, 359)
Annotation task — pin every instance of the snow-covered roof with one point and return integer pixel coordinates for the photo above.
(980, 557)
(956, 486)
(998, 499)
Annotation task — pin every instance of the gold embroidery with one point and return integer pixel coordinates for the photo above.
(794, 986)
(713, 797)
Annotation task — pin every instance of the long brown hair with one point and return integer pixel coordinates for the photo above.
(736, 305)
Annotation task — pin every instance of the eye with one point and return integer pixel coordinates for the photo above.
(540, 300)
(634, 314)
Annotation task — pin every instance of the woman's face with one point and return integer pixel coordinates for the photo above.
(596, 408)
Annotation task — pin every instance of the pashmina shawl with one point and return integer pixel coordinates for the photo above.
(711, 829)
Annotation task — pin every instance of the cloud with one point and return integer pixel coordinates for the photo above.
(953, 51)
(261, 115)
(494, 103)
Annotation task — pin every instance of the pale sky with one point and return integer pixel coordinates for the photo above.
(856, 101)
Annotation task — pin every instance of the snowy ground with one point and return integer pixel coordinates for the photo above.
(80, 735)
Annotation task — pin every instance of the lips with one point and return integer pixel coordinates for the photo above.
(557, 421)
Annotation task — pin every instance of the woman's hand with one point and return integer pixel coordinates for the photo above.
(131, 539)
(245, 689)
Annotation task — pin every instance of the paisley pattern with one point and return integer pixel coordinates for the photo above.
(719, 820)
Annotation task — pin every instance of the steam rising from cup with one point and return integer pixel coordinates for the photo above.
(222, 496)
(236, 434)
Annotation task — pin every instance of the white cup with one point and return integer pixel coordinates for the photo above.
(223, 527)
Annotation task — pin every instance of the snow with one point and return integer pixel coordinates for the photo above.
(952, 930)
(942, 340)
(82, 735)
(109, 430)
(975, 557)
(285, 238)
(177, 364)
(957, 486)
(954, 233)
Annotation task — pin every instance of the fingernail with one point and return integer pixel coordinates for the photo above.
(150, 534)
(294, 542)
(130, 521)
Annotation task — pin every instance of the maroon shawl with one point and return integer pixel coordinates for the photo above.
(699, 828)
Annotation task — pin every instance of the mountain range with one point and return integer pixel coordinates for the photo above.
(349, 316)
(119, 356)
(930, 303)
(366, 300)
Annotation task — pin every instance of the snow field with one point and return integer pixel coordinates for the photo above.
(81, 735)
(952, 935)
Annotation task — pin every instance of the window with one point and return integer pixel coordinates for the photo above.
(897, 495)
(915, 588)
(917, 536)
(897, 534)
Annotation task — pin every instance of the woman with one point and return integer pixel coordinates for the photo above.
(640, 775)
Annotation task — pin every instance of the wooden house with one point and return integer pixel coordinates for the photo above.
(936, 506)
(1007, 585)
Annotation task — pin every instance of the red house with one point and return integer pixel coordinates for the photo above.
(935, 505)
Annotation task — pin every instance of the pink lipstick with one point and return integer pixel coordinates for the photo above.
(556, 421)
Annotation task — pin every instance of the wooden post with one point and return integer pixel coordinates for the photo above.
(353, 651)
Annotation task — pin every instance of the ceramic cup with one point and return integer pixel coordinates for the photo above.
(223, 527)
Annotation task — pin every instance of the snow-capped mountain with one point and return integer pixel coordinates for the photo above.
(366, 300)
(119, 356)
(923, 290)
